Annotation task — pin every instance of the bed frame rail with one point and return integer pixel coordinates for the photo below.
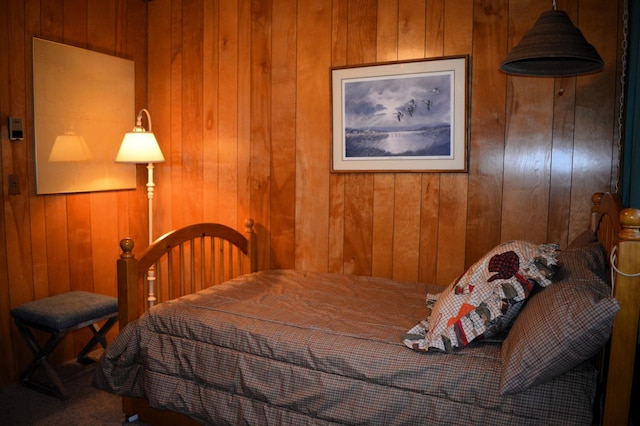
(182, 262)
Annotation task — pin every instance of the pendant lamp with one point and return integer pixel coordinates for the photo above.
(553, 47)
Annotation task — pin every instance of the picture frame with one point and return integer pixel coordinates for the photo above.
(406, 116)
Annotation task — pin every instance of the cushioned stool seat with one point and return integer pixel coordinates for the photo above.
(58, 315)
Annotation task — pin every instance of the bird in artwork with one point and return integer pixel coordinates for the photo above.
(399, 115)
(411, 106)
(427, 102)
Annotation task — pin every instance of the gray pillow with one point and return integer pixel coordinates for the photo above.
(563, 325)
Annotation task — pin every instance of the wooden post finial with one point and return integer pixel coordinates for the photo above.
(630, 221)
(126, 244)
(596, 199)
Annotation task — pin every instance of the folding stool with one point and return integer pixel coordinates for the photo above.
(58, 315)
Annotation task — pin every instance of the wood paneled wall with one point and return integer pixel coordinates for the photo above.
(239, 93)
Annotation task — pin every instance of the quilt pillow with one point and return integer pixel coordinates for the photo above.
(486, 298)
(563, 325)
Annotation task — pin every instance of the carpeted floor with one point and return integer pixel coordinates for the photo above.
(86, 405)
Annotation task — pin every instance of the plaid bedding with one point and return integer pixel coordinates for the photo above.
(288, 347)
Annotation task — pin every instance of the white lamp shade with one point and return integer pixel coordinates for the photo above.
(139, 147)
(70, 147)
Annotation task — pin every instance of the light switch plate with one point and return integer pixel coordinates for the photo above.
(16, 133)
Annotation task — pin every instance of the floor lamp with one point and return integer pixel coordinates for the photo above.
(140, 146)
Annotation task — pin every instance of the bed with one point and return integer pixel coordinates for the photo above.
(296, 347)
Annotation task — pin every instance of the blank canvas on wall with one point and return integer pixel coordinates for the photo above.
(83, 106)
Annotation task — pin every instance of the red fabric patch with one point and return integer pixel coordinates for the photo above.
(505, 264)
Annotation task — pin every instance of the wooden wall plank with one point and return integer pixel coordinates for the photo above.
(55, 209)
(411, 29)
(358, 223)
(487, 121)
(37, 230)
(384, 183)
(75, 23)
(458, 19)
(527, 156)
(176, 118)
(106, 25)
(358, 206)
(430, 185)
(192, 112)
(595, 105)
(51, 18)
(387, 31)
(361, 32)
(406, 201)
(429, 212)
(312, 135)
(283, 136)
(382, 252)
(7, 370)
(244, 127)
(261, 120)
(132, 205)
(58, 259)
(159, 106)
(80, 242)
(562, 152)
(561, 161)
(434, 27)
(406, 228)
(228, 112)
(210, 94)
(13, 155)
(339, 34)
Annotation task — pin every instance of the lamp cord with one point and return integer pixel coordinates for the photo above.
(615, 271)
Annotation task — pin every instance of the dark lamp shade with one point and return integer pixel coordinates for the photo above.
(553, 47)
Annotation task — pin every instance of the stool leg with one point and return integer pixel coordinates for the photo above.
(56, 387)
(98, 337)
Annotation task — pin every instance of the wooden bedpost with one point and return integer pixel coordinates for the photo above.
(127, 267)
(595, 201)
(625, 331)
(250, 235)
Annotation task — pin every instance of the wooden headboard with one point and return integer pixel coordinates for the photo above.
(619, 231)
(182, 262)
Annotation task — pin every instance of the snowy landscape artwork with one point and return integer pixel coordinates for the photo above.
(400, 118)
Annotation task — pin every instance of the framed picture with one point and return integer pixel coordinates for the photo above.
(400, 117)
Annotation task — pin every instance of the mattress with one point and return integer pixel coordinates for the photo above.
(291, 347)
